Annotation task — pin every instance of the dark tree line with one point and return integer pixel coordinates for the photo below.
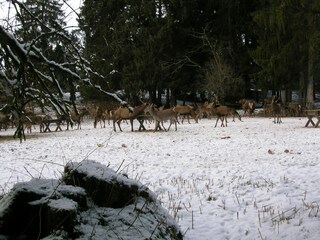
(220, 48)
(162, 45)
(287, 33)
(158, 45)
(39, 62)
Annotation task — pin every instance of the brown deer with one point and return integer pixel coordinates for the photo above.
(205, 109)
(184, 112)
(267, 106)
(32, 118)
(248, 106)
(160, 116)
(5, 120)
(73, 118)
(222, 112)
(295, 109)
(124, 113)
(77, 118)
(276, 110)
(99, 116)
(234, 113)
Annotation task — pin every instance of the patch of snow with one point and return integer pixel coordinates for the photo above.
(63, 203)
(251, 180)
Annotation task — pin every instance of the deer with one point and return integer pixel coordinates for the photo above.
(206, 109)
(295, 109)
(248, 106)
(73, 117)
(234, 113)
(77, 118)
(124, 113)
(267, 106)
(184, 112)
(160, 116)
(222, 113)
(32, 118)
(4, 121)
(99, 116)
(276, 110)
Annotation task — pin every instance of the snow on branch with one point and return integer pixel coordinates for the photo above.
(28, 73)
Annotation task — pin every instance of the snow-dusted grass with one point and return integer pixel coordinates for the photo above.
(251, 180)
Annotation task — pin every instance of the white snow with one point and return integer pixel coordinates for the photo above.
(65, 204)
(251, 180)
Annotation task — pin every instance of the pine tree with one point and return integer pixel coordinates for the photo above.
(125, 41)
(29, 71)
(157, 45)
(37, 19)
(288, 41)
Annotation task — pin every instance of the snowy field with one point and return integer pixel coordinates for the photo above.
(251, 180)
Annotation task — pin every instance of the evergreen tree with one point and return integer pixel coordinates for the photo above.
(29, 73)
(155, 45)
(108, 40)
(288, 41)
(228, 25)
(38, 19)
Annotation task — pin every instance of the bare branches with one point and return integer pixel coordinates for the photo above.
(220, 77)
(29, 72)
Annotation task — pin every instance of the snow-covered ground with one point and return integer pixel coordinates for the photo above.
(251, 180)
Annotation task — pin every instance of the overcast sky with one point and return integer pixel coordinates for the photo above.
(7, 9)
(71, 16)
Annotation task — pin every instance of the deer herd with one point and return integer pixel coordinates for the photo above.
(150, 112)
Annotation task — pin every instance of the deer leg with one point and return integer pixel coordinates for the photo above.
(114, 125)
(156, 125)
(131, 122)
(217, 122)
(170, 125)
(163, 126)
(222, 120)
(118, 122)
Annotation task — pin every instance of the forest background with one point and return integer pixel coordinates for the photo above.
(187, 50)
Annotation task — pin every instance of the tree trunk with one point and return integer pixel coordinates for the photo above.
(152, 96)
(288, 95)
(159, 97)
(168, 97)
(310, 81)
(302, 87)
(309, 96)
(173, 99)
